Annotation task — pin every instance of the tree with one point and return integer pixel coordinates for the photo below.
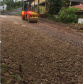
(1, 3)
(65, 3)
(11, 4)
(54, 6)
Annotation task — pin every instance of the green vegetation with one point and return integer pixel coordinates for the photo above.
(68, 15)
(5, 68)
(1, 3)
(11, 4)
(3, 80)
(54, 6)
(18, 14)
(15, 76)
(50, 17)
(61, 7)
(65, 3)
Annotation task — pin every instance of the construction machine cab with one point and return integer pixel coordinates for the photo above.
(25, 5)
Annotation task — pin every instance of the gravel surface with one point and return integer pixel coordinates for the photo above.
(40, 53)
(58, 30)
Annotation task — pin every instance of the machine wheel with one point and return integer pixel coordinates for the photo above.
(23, 17)
(32, 21)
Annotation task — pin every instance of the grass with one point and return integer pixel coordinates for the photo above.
(16, 76)
(5, 67)
(18, 14)
(3, 80)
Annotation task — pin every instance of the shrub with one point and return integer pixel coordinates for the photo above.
(51, 17)
(68, 15)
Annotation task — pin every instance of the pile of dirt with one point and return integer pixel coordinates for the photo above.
(32, 57)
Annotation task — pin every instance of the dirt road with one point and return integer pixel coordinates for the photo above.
(41, 53)
(59, 31)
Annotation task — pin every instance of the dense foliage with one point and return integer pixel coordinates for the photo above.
(65, 3)
(54, 6)
(11, 4)
(68, 15)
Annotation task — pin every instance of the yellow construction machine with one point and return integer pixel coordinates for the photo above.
(27, 14)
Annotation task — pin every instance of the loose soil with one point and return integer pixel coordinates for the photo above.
(40, 53)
